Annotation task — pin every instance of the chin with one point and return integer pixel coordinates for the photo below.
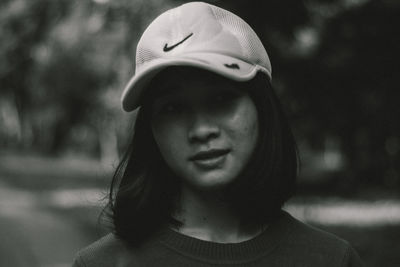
(210, 183)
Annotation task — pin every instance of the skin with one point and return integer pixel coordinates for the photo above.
(194, 116)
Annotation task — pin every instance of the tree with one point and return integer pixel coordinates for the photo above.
(348, 88)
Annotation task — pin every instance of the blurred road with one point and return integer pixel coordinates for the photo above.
(35, 234)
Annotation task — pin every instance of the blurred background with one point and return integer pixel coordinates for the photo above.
(64, 63)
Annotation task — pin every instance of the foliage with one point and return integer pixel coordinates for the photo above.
(348, 89)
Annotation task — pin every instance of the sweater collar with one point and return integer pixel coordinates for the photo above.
(212, 252)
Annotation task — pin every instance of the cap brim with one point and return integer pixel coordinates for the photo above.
(226, 66)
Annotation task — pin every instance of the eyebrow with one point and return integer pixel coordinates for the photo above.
(158, 92)
(163, 95)
(165, 91)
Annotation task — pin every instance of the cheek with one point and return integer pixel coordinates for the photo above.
(244, 125)
(168, 138)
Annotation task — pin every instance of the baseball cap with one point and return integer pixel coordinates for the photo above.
(200, 35)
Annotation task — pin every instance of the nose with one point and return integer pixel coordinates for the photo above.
(202, 128)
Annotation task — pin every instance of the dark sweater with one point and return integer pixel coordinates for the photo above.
(286, 242)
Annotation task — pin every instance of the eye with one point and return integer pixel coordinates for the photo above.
(225, 97)
(171, 108)
(220, 97)
(168, 108)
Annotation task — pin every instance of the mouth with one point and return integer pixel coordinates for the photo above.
(210, 159)
(209, 154)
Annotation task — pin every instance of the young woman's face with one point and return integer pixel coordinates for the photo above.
(206, 130)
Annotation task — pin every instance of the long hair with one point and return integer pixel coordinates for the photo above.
(269, 179)
(144, 191)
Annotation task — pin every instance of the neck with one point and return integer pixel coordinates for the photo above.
(206, 216)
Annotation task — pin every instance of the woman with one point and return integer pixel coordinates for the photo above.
(212, 159)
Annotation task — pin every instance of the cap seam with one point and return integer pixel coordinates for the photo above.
(215, 16)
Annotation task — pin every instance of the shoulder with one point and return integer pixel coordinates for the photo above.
(320, 245)
(306, 234)
(102, 252)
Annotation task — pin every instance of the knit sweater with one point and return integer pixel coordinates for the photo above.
(285, 242)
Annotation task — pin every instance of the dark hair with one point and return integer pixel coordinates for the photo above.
(144, 190)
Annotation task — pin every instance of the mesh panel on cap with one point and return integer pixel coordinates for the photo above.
(252, 48)
(144, 55)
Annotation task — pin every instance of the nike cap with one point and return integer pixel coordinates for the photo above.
(201, 35)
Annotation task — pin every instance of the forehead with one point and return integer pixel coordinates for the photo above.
(189, 82)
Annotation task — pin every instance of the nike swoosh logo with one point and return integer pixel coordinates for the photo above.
(169, 48)
(232, 66)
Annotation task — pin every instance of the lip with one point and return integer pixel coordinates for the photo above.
(209, 154)
(210, 159)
